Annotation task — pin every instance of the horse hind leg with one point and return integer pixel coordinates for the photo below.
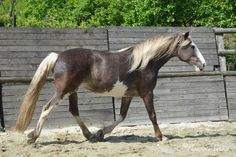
(51, 104)
(73, 108)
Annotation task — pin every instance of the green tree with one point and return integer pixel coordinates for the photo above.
(4, 13)
(49, 13)
(87, 13)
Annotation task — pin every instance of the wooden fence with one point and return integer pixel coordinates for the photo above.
(181, 95)
(21, 52)
(230, 81)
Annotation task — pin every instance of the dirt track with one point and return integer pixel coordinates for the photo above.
(189, 139)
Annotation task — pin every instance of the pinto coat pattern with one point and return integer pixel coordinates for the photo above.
(130, 72)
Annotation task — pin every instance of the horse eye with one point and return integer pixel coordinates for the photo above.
(193, 47)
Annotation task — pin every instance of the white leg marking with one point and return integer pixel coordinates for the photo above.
(42, 119)
(44, 115)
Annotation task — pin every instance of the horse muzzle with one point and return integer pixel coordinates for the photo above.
(200, 66)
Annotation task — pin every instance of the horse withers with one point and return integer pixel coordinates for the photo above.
(130, 72)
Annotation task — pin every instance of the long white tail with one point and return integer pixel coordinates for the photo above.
(29, 102)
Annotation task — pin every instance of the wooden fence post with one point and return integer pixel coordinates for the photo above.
(1, 109)
(113, 98)
(223, 66)
(220, 47)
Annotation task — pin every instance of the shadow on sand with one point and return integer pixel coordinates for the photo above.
(65, 142)
(132, 139)
(145, 139)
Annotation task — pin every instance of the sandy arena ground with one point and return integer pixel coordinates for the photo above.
(209, 139)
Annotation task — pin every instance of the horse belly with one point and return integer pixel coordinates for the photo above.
(118, 90)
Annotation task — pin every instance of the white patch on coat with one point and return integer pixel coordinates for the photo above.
(118, 90)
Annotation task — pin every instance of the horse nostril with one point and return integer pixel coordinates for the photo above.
(204, 65)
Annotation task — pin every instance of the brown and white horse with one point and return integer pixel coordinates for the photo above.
(130, 72)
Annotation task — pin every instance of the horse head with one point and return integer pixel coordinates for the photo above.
(187, 51)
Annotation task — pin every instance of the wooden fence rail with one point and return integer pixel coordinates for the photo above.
(226, 52)
(224, 30)
(161, 75)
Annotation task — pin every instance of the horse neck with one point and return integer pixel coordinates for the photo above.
(125, 56)
(155, 64)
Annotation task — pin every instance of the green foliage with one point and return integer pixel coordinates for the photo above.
(214, 13)
(217, 13)
(49, 13)
(4, 14)
(87, 13)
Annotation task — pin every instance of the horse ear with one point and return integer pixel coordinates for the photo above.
(186, 35)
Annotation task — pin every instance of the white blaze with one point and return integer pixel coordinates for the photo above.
(198, 53)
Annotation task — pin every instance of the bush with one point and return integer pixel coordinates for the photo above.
(87, 13)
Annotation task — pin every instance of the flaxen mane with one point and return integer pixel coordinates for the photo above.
(156, 47)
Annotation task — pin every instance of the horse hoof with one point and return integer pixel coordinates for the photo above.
(31, 140)
(31, 137)
(31, 134)
(98, 137)
(164, 138)
(159, 138)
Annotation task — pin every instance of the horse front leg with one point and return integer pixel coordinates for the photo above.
(125, 103)
(148, 101)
